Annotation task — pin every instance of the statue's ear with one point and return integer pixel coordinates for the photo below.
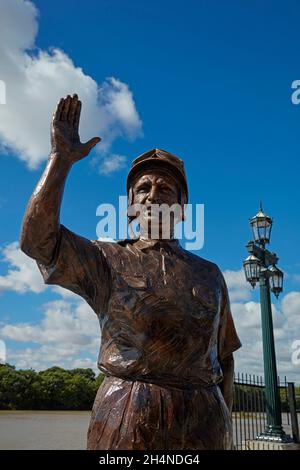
(182, 202)
(129, 203)
(130, 196)
(130, 199)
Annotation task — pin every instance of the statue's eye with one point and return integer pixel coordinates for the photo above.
(143, 189)
(165, 189)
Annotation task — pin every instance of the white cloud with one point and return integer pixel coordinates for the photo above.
(44, 357)
(64, 293)
(23, 274)
(247, 317)
(112, 164)
(67, 335)
(63, 322)
(85, 363)
(239, 288)
(290, 306)
(35, 79)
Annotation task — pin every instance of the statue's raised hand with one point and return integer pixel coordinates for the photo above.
(65, 139)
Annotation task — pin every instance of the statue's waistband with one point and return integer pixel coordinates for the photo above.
(163, 381)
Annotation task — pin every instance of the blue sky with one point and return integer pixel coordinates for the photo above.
(208, 81)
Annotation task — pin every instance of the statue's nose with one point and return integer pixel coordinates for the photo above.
(153, 196)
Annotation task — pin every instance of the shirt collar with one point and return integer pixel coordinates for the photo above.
(169, 245)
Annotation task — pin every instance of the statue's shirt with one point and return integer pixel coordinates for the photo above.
(164, 312)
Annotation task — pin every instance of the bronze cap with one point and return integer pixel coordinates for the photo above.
(157, 158)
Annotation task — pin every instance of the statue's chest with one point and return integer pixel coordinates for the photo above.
(165, 287)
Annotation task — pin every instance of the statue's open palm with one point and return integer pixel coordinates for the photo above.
(64, 131)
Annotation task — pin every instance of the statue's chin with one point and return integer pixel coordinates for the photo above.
(155, 230)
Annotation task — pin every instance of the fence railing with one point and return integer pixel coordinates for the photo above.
(249, 408)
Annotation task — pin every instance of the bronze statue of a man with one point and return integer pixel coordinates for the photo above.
(167, 331)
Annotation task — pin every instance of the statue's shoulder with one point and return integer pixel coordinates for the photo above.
(202, 263)
(117, 254)
(125, 242)
(112, 246)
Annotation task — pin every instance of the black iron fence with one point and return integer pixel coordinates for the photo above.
(249, 408)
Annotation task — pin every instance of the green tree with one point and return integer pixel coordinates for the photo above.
(51, 389)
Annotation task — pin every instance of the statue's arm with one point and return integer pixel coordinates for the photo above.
(228, 343)
(40, 228)
(227, 366)
(41, 225)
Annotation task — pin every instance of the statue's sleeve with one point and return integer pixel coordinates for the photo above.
(228, 340)
(81, 266)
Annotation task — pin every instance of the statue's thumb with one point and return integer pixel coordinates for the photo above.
(92, 142)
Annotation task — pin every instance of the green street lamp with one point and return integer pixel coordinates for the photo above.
(276, 280)
(257, 269)
(261, 225)
(252, 269)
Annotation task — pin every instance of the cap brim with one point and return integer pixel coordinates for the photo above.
(151, 164)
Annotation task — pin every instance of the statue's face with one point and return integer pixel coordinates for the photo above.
(152, 190)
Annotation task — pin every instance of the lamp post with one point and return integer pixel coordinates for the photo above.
(260, 266)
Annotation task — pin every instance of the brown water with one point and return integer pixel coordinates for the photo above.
(62, 430)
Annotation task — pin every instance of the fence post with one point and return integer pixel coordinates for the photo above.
(293, 411)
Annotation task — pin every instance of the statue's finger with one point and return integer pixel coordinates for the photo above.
(57, 112)
(77, 115)
(72, 110)
(65, 110)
